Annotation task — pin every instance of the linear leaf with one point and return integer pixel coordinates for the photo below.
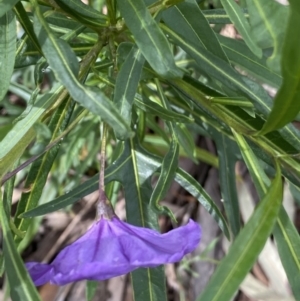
(159, 146)
(188, 183)
(260, 180)
(64, 64)
(245, 249)
(286, 103)
(240, 54)
(7, 203)
(82, 9)
(186, 140)
(220, 16)
(91, 289)
(8, 37)
(26, 24)
(149, 38)
(153, 108)
(203, 110)
(127, 82)
(169, 163)
(227, 152)
(85, 14)
(285, 233)
(148, 284)
(241, 23)
(195, 189)
(21, 286)
(18, 138)
(264, 18)
(38, 173)
(187, 20)
(288, 243)
(223, 72)
(63, 22)
(167, 173)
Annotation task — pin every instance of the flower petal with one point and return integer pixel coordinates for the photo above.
(111, 248)
(40, 273)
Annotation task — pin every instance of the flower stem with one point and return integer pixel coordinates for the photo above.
(104, 207)
(102, 196)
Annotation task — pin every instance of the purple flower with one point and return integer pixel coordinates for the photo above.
(111, 248)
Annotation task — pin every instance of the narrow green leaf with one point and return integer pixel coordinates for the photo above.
(8, 38)
(189, 184)
(149, 38)
(91, 288)
(238, 53)
(158, 146)
(56, 47)
(85, 14)
(230, 116)
(153, 108)
(247, 246)
(220, 16)
(264, 18)
(21, 286)
(78, 140)
(127, 82)
(64, 64)
(153, 125)
(241, 23)
(7, 5)
(82, 9)
(286, 236)
(186, 140)
(288, 243)
(223, 72)
(286, 103)
(236, 118)
(227, 151)
(8, 194)
(7, 203)
(148, 284)
(273, 141)
(187, 20)
(261, 181)
(62, 21)
(167, 173)
(18, 138)
(26, 24)
(195, 189)
(169, 163)
(39, 170)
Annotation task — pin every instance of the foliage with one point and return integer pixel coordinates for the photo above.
(130, 63)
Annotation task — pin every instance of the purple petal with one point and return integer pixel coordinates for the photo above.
(41, 273)
(111, 248)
